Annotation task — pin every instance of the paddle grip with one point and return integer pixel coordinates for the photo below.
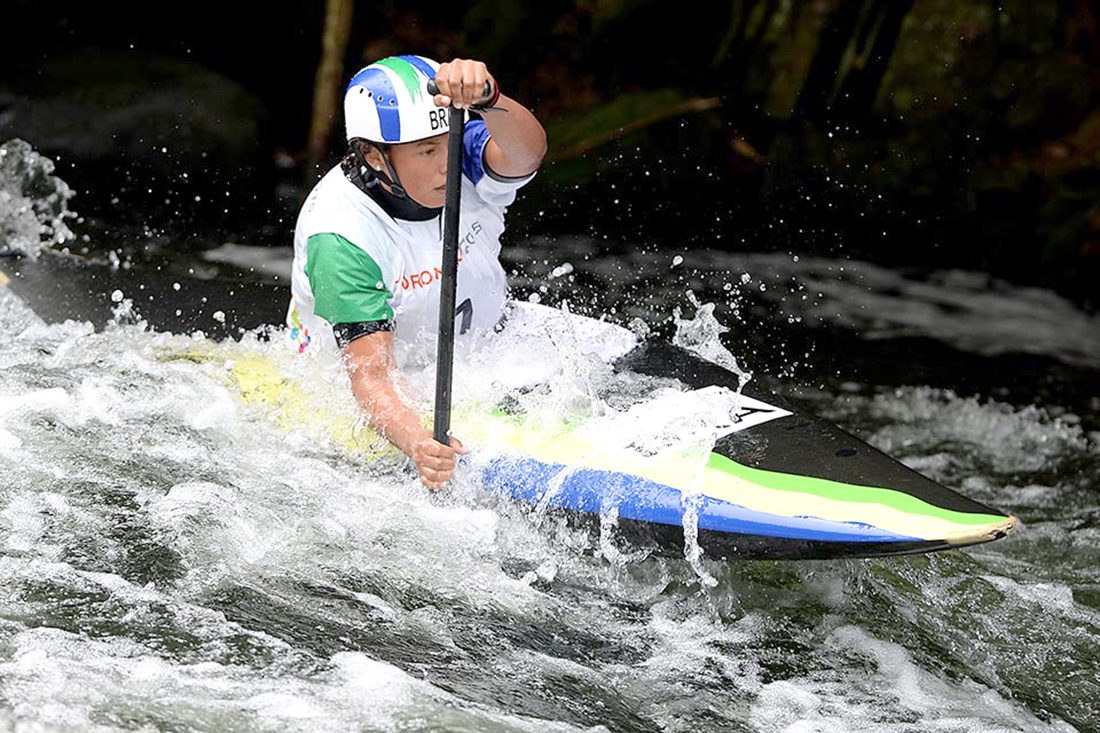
(433, 89)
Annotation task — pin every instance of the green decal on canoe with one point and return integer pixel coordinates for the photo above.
(838, 491)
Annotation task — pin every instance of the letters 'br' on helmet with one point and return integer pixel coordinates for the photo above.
(388, 102)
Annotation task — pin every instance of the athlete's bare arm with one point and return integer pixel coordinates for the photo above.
(373, 371)
(518, 141)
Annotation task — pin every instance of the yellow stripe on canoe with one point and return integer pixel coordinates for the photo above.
(259, 380)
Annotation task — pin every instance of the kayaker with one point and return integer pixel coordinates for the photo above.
(368, 241)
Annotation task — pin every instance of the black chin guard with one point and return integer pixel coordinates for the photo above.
(398, 204)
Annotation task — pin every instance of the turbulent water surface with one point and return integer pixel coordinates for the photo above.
(172, 558)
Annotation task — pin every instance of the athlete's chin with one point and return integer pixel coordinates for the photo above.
(434, 199)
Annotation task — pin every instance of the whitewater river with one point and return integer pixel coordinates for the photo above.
(172, 558)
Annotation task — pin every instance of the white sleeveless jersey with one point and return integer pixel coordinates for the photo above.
(408, 254)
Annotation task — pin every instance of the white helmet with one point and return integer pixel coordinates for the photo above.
(388, 102)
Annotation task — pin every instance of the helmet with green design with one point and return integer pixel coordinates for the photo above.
(387, 102)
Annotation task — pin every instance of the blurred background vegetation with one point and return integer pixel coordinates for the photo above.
(932, 134)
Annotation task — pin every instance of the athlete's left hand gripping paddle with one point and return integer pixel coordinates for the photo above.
(444, 366)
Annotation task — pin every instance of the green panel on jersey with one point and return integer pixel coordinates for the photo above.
(347, 284)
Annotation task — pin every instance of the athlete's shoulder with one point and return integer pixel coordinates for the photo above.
(336, 206)
(333, 190)
(490, 187)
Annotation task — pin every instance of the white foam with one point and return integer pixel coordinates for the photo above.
(10, 445)
(1024, 439)
(1052, 598)
(894, 695)
(539, 344)
(158, 461)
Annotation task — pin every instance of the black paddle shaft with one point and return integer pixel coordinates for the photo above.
(444, 365)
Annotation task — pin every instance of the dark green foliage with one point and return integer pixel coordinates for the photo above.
(939, 133)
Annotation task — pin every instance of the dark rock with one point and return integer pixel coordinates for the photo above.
(138, 114)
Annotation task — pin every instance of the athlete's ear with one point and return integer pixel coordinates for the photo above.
(372, 155)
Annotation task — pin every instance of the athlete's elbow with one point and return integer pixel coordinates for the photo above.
(541, 149)
(532, 158)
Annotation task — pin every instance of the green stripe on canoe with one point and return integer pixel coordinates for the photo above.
(838, 491)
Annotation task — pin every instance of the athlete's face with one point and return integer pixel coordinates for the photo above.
(422, 169)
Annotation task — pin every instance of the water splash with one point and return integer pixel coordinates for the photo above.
(122, 312)
(693, 553)
(582, 373)
(702, 336)
(553, 488)
(33, 201)
(616, 556)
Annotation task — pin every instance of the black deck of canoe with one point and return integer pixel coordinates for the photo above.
(796, 444)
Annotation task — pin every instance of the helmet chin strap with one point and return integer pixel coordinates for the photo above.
(389, 178)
